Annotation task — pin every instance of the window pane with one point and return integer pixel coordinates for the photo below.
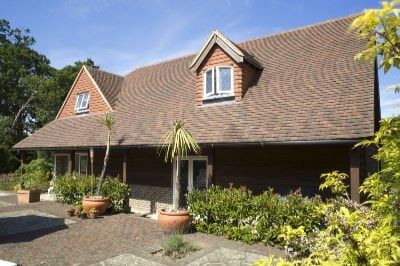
(78, 101)
(225, 79)
(84, 101)
(83, 164)
(209, 82)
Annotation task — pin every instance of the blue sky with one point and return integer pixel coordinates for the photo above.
(121, 35)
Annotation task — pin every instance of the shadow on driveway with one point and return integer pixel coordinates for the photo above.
(22, 226)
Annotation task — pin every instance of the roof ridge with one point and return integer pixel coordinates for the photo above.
(246, 41)
(100, 70)
(160, 63)
(300, 28)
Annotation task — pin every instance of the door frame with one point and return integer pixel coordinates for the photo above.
(190, 169)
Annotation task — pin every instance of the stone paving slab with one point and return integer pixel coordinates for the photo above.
(127, 260)
(226, 256)
(28, 220)
(5, 204)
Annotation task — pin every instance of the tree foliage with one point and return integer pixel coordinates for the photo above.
(380, 27)
(31, 91)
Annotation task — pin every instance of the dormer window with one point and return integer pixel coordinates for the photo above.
(218, 81)
(82, 102)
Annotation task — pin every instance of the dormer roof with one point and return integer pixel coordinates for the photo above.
(234, 51)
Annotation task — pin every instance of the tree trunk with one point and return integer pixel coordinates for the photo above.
(103, 171)
(176, 203)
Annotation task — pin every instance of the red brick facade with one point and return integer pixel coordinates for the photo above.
(243, 73)
(96, 101)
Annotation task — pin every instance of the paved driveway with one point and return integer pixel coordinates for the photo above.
(42, 234)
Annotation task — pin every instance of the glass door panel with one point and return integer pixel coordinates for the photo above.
(199, 174)
(62, 162)
(183, 181)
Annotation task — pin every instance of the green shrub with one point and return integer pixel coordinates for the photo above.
(238, 215)
(117, 192)
(354, 235)
(36, 174)
(70, 189)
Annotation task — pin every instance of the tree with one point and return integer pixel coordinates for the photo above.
(178, 143)
(20, 70)
(31, 91)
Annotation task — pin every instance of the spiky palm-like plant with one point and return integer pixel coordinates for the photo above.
(177, 143)
(108, 122)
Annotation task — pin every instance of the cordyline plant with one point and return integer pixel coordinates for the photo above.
(108, 122)
(176, 144)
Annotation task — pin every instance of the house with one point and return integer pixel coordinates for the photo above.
(276, 111)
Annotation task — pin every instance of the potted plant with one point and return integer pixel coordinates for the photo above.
(99, 202)
(33, 178)
(78, 208)
(176, 144)
(93, 212)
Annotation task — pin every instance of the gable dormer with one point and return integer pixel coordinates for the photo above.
(85, 97)
(224, 71)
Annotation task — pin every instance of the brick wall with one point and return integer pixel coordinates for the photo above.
(96, 102)
(243, 73)
(149, 199)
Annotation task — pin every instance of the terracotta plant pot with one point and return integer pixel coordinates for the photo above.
(28, 196)
(93, 215)
(174, 221)
(101, 204)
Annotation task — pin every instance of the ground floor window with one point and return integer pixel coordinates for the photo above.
(81, 163)
(61, 164)
(193, 174)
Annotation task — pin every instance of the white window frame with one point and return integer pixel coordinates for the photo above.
(190, 169)
(212, 84)
(79, 154)
(55, 162)
(80, 108)
(216, 92)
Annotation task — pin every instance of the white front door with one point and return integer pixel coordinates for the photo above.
(193, 174)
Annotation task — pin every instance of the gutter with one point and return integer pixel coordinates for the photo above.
(209, 145)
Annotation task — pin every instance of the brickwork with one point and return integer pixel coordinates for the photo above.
(96, 101)
(149, 199)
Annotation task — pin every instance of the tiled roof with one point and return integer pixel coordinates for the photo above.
(109, 84)
(310, 89)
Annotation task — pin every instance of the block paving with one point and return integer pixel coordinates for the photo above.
(121, 239)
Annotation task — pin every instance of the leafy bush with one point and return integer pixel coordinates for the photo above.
(117, 192)
(355, 235)
(70, 189)
(175, 247)
(36, 174)
(239, 215)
